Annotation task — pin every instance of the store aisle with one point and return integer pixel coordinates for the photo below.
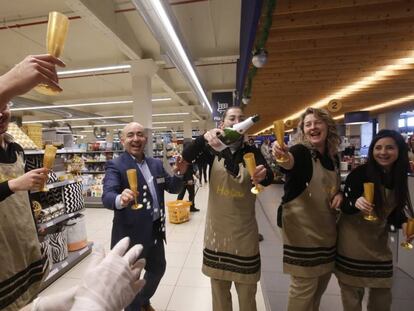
(183, 287)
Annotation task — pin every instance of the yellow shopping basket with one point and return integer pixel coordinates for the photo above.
(178, 211)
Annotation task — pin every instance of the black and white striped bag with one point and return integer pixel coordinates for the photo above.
(59, 244)
(73, 197)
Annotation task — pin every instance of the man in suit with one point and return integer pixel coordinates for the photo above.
(146, 225)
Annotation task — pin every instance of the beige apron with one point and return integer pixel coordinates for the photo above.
(231, 241)
(22, 266)
(309, 226)
(364, 257)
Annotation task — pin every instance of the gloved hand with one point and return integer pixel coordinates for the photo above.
(57, 302)
(111, 282)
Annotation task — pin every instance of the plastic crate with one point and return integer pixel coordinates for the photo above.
(178, 211)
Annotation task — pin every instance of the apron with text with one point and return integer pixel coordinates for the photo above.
(309, 226)
(364, 257)
(231, 241)
(22, 264)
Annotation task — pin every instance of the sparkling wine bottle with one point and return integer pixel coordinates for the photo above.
(232, 134)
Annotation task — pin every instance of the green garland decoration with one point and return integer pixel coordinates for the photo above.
(260, 43)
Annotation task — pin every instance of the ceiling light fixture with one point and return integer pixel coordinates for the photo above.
(170, 114)
(155, 15)
(115, 68)
(115, 102)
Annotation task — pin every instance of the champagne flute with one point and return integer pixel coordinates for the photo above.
(133, 185)
(410, 231)
(251, 167)
(279, 131)
(48, 160)
(369, 196)
(57, 30)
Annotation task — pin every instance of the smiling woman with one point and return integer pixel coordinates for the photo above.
(307, 213)
(364, 258)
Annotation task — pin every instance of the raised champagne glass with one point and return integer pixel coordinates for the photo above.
(250, 161)
(279, 131)
(369, 196)
(133, 185)
(410, 231)
(48, 160)
(57, 30)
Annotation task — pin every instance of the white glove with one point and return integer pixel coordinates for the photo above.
(57, 302)
(111, 282)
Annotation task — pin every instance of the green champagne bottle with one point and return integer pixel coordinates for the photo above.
(232, 134)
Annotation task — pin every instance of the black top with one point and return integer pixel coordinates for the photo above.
(200, 148)
(302, 170)
(354, 188)
(8, 156)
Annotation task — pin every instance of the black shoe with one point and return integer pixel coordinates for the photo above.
(193, 209)
(260, 237)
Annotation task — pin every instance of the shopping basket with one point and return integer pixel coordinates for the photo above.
(178, 211)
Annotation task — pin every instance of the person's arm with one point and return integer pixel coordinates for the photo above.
(31, 71)
(199, 151)
(263, 171)
(111, 185)
(353, 190)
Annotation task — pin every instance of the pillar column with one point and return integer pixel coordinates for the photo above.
(187, 129)
(141, 73)
(388, 120)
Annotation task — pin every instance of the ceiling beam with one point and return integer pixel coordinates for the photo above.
(100, 13)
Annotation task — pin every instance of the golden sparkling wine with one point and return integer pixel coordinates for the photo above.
(410, 231)
(251, 167)
(57, 30)
(369, 196)
(279, 131)
(133, 185)
(48, 160)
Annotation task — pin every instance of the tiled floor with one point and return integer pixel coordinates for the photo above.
(185, 288)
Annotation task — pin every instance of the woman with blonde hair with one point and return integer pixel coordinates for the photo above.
(307, 213)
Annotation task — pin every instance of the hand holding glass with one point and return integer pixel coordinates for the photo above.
(49, 160)
(279, 131)
(410, 231)
(57, 30)
(251, 167)
(133, 185)
(369, 196)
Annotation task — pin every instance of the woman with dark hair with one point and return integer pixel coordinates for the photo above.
(308, 210)
(364, 258)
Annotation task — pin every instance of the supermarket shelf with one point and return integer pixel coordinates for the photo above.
(58, 184)
(58, 219)
(58, 269)
(93, 202)
(63, 151)
(92, 172)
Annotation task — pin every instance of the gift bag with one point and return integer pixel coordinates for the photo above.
(46, 251)
(58, 244)
(73, 198)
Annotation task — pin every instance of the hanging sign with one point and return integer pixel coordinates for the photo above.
(334, 105)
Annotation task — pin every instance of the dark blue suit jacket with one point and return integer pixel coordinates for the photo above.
(137, 224)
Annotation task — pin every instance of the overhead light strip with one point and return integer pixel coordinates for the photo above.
(116, 102)
(115, 68)
(156, 16)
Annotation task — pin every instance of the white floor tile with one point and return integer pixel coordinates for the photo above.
(193, 277)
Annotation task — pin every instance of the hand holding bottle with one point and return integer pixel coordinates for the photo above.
(212, 138)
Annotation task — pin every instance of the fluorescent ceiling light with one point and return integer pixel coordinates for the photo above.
(115, 68)
(170, 114)
(159, 128)
(116, 102)
(163, 99)
(173, 122)
(86, 131)
(158, 20)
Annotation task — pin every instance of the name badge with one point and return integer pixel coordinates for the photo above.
(160, 180)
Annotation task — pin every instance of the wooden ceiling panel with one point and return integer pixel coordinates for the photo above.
(318, 48)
